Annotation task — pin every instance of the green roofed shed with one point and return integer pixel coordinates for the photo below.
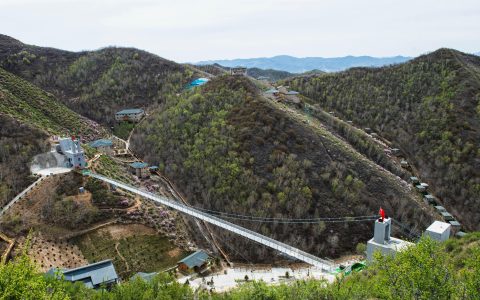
(195, 260)
(138, 165)
(101, 143)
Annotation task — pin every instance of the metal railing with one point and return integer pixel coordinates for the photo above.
(269, 242)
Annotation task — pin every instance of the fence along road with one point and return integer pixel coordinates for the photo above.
(269, 242)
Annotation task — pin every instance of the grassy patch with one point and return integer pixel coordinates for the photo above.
(142, 253)
(123, 129)
(109, 167)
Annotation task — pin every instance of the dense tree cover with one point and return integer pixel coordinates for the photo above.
(430, 109)
(273, 75)
(429, 270)
(18, 144)
(229, 150)
(96, 84)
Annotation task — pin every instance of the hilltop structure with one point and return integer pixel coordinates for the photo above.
(70, 147)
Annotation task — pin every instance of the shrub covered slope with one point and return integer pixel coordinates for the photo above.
(231, 150)
(27, 116)
(427, 271)
(429, 107)
(98, 83)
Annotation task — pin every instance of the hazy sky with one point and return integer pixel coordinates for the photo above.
(186, 30)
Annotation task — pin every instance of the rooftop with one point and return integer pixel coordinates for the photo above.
(271, 91)
(455, 223)
(101, 143)
(292, 93)
(446, 214)
(393, 243)
(138, 165)
(92, 275)
(130, 111)
(195, 259)
(438, 227)
(145, 276)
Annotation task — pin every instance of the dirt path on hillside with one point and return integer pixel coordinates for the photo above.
(127, 266)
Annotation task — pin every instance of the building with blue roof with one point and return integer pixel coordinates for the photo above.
(103, 146)
(93, 276)
(196, 261)
(292, 93)
(140, 169)
(131, 115)
(198, 82)
(71, 148)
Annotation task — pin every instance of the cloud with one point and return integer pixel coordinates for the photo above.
(187, 30)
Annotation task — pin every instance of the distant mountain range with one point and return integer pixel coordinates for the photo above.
(299, 65)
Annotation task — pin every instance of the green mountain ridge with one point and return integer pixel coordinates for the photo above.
(108, 79)
(429, 107)
(229, 149)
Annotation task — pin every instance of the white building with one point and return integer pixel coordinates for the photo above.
(439, 231)
(70, 147)
(382, 241)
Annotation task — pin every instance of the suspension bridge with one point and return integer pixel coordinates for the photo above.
(212, 217)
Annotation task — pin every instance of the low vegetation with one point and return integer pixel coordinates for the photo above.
(427, 271)
(429, 107)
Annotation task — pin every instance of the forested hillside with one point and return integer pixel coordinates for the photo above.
(27, 116)
(429, 108)
(230, 150)
(98, 83)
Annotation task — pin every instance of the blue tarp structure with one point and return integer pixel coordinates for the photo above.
(198, 82)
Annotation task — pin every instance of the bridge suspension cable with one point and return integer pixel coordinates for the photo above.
(254, 236)
(286, 220)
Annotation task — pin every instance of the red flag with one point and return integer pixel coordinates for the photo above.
(382, 213)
